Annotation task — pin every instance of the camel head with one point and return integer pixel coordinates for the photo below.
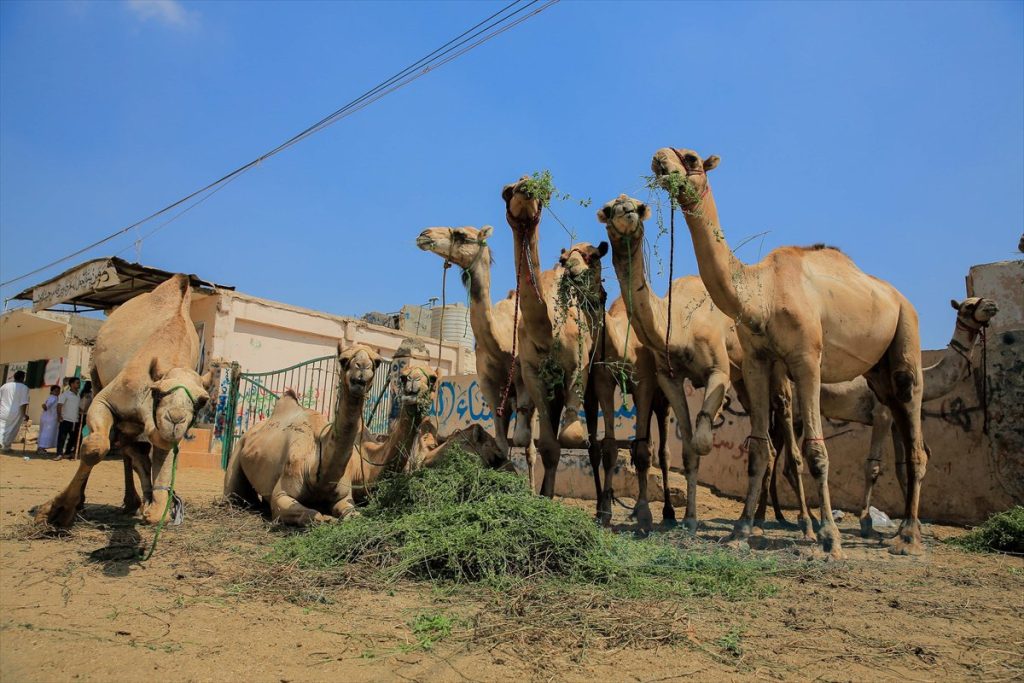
(974, 312)
(521, 207)
(582, 258)
(684, 172)
(417, 388)
(624, 217)
(465, 247)
(178, 394)
(357, 365)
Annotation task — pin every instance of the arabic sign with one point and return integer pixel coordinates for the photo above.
(91, 277)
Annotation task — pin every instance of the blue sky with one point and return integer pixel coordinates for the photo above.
(892, 130)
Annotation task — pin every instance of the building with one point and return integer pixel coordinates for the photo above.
(239, 334)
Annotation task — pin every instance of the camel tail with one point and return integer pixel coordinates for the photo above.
(905, 354)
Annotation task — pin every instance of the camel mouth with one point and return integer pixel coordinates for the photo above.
(424, 242)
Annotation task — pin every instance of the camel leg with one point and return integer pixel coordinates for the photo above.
(132, 502)
(284, 507)
(881, 427)
(60, 511)
(908, 539)
(550, 413)
(237, 488)
(604, 513)
(673, 390)
(806, 371)
(573, 432)
(644, 397)
(756, 378)
(901, 459)
(660, 409)
(714, 395)
(523, 434)
(156, 490)
(794, 464)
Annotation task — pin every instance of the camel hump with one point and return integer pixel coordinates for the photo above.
(290, 393)
(819, 246)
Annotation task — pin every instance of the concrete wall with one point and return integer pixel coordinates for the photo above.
(973, 471)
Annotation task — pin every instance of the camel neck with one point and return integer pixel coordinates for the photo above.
(720, 270)
(532, 297)
(647, 311)
(336, 449)
(955, 364)
(380, 457)
(481, 312)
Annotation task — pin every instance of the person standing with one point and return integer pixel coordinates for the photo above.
(13, 404)
(67, 411)
(48, 421)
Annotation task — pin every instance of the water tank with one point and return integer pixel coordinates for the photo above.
(456, 325)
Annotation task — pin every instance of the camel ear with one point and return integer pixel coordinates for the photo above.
(486, 232)
(345, 355)
(375, 358)
(711, 162)
(207, 379)
(955, 304)
(156, 370)
(604, 214)
(644, 211)
(506, 192)
(602, 249)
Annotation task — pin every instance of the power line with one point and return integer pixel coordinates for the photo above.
(453, 49)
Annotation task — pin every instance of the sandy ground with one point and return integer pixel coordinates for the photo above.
(73, 608)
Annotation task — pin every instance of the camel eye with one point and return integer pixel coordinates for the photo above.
(690, 159)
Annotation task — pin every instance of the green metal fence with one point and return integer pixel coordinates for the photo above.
(315, 382)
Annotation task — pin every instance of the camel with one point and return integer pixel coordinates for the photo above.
(555, 345)
(813, 313)
(621, 361)
(148, 391)
(372, 459)
(295, 460)
(854, 401)
(703, 346)
(467, 248)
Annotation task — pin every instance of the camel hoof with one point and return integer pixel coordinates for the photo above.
(808, 530)
(690, 524)
(573, 435)
(130, 507)
(668, 517)
(757, 529)
(867, 530)
(644, 519)
(906, 546)
(831, 545)
(56, 514)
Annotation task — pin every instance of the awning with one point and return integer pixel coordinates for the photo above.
(101, 284)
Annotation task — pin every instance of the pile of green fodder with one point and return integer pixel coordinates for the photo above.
(1002, 532)
(461, 523)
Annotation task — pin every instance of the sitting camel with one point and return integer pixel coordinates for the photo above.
(295, 460)
(371, 459)
(467, 248)
(143, 359)
(853, 401)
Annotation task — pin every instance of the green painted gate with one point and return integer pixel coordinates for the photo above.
(252, 396)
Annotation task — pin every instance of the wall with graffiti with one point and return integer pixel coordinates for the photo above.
(964, 482)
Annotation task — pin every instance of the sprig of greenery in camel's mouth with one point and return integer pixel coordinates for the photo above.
(540, 185)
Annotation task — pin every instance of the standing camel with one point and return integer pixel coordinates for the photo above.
(467, 248)
(703, 346)
(554, 346)
(814, 313)
(854, 401)
(143, 359)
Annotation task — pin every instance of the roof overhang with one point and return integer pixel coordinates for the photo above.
(101, 284)
(22, 322)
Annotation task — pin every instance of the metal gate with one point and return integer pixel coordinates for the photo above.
(253, 396)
